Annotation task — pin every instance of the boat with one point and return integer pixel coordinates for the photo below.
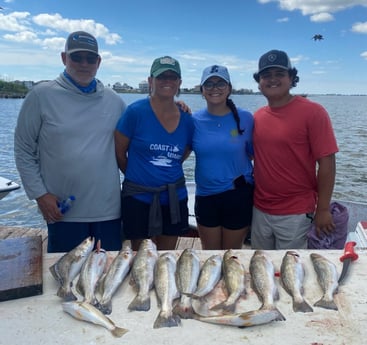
(7, 186)
(357, 216)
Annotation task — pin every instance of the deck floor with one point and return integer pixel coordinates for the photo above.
(11, 232)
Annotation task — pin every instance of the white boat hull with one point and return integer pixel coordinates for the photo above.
(7, 186)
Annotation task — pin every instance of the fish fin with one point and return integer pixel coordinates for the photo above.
(140, 304)
(302, 307)
(118, 332)
(166, 320)
(322, 303)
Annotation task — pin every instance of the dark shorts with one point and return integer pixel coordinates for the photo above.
(135, 219)
(231, 209)
(64, 236)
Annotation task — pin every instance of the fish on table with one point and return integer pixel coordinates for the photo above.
(234, 278)
(187, 274)
(210, 275)
(166, 290)
(66, 269)
(327, 277)
(241, 320)
(292, 275)
(84, 311)
(263, 281)
(142, 275)
(112, 280)
(92, 270)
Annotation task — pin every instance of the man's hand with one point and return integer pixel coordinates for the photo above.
(183, 106)
(47, 203)
(323, 222)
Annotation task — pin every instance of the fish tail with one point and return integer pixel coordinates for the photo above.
(67, 296)
(302, 307)
(279, 316)
(226, 307)
(165, 319)
(118, 332)
(140, 304)
(327, 304)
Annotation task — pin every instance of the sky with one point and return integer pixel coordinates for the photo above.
(198, 33)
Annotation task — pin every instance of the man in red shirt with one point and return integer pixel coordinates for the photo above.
(294, 166)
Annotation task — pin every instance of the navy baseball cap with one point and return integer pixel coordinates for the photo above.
(274, 58)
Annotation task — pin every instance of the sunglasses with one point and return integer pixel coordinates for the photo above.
(210, 85)
(79, 58)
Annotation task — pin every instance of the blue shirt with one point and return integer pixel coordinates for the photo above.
(222, 154)
(154, 155)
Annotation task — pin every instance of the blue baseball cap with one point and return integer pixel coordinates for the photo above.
(215, 71)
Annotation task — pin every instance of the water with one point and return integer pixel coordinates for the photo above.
(348, 114)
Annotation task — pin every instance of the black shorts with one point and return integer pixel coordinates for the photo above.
(231, 209)
(135, 219)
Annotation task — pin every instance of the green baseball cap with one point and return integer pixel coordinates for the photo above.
(163, 64)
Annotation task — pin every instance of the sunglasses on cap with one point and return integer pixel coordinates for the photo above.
(79, 58)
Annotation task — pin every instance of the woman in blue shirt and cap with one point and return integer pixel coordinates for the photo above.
(223, 149)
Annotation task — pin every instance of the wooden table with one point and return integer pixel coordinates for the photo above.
(40, 319)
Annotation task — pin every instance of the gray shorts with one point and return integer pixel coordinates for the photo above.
(279, 232)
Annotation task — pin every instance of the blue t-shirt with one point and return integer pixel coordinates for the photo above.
(154, 155)
(222, 154)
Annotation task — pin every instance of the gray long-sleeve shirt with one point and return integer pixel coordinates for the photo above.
(64, 145)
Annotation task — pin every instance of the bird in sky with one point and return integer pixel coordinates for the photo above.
(318, 37)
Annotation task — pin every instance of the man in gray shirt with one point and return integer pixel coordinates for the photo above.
(64, 145)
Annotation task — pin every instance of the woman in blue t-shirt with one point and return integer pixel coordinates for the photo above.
(223, 149)
(152, 139)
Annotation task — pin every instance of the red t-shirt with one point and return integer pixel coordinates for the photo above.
(288, 141)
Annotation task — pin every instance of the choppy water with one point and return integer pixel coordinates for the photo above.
(348, 114)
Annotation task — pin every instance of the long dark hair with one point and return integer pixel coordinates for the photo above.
(233, 108)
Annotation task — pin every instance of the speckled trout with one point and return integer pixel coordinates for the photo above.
(327, 277)
(166, 289)
(263, 281)
(292, 274)
(187, 274)
(68, 267)
(112, 280)
(91, 272)
(234, 278)
(86, 312)
(142, 274)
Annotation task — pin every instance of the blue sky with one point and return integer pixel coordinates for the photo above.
(234, 33)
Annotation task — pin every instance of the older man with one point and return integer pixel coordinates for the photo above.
(64, 145)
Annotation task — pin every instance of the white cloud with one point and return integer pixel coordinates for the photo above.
(15, 21)
(56, 21)
(309, 7)
(360, 27)
(322, 17)
(283, 20)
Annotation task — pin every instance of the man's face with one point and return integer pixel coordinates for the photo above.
(82, 66)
